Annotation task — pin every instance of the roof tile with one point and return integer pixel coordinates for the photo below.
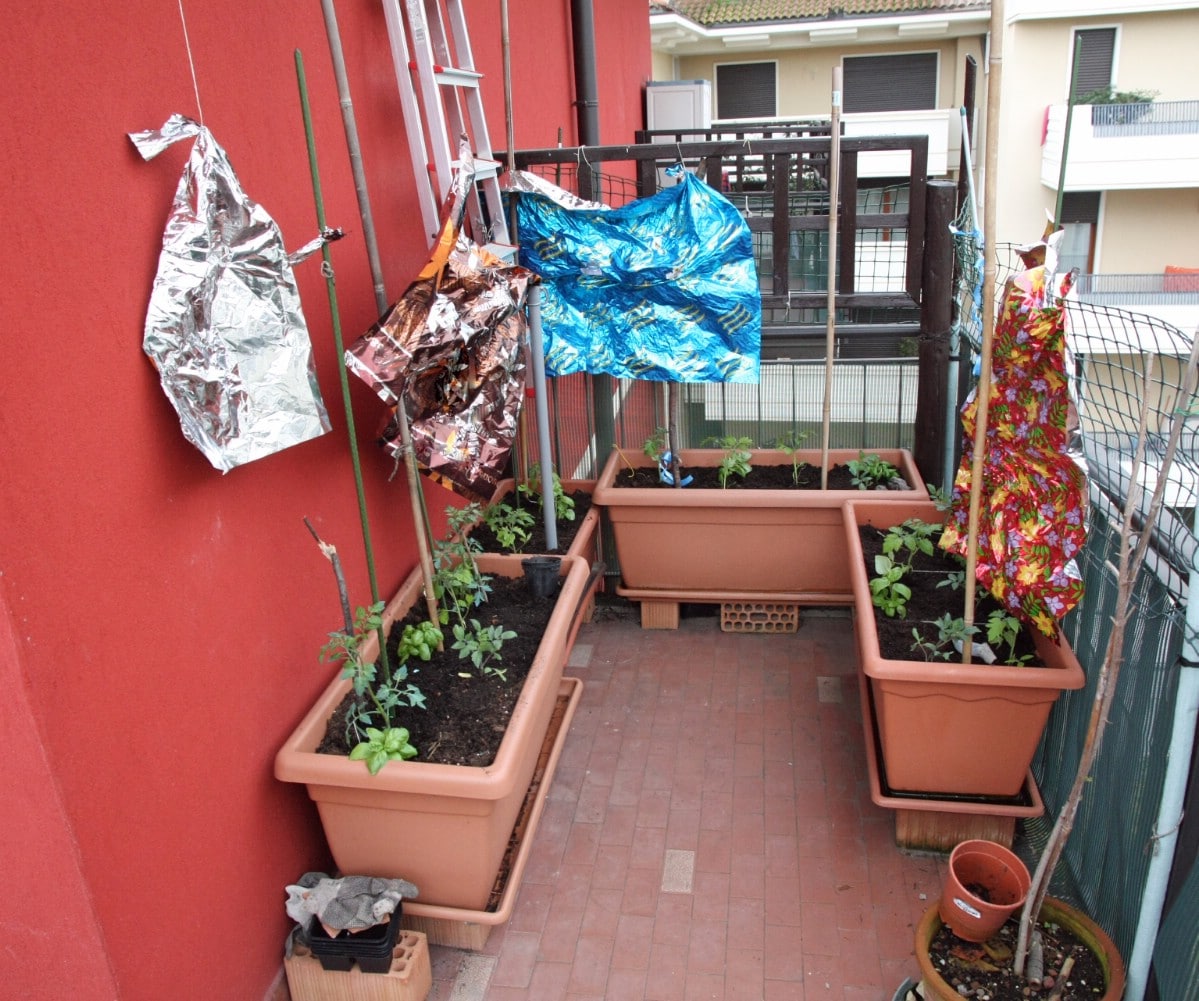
(727, 12)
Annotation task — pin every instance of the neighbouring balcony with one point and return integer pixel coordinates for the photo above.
(1173, 298)
(1123, 146)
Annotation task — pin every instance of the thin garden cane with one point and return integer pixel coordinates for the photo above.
(331, 288)
(834, 196)
(420, 513)
(1129, 566)
(995, 67)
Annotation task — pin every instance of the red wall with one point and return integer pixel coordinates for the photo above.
(164, 618)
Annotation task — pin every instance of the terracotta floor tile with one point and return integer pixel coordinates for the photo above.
(743, 974)
(611, 867)
(641, 890)
(549, 981)
(514, 967)
(666, 977)
(782, 954)
(582, 844)
(626, 983)
(819, 924)
(648, 847)
(601, 914)
(634, 939)
(589, 971)
(711, 897)
(672, 919)
(747, 923)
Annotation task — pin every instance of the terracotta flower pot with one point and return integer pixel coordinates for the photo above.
(946, 727)
(693, 544)
(444, 827)
(1087, 932)
(985, 885)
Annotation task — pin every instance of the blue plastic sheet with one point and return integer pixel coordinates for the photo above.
(664, 288)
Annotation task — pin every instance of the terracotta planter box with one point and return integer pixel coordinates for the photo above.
(444, 827)
(946, 727)
(717, 545)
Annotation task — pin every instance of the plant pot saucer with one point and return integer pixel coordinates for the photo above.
(468, 929)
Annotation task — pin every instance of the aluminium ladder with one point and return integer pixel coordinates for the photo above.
(442, 102)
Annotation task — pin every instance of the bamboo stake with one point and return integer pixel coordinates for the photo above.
(331, 289)
(983, 397)
(416, 497)
(830, 336)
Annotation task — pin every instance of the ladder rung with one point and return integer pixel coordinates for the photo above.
(483, 168)
(447, 76)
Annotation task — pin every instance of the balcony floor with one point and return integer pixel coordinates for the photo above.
(709, 833)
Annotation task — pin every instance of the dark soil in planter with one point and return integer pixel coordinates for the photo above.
(984, 972)
(929, 602)
(536, 544)
(465, 718)
(761, 477)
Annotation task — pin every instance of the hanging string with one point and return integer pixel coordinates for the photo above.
(191, 63)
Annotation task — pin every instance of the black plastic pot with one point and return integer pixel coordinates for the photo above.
(372, 948)
(542, 574)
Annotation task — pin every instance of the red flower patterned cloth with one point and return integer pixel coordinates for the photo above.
(1033, 496)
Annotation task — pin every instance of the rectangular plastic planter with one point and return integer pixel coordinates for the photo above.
(947, 727)
(443, 827)
(714, 545)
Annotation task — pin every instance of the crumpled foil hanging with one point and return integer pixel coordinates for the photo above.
(224, 327)
(451, 350)
(1032, 523)
(664, 288)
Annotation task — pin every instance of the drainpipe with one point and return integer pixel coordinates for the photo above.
(582, 24)
(1169, 814)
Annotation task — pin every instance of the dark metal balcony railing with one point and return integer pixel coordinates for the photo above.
(1139, 290)
(1149, 118)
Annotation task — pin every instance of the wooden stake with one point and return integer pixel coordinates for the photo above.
(983, 397)
(830, 338)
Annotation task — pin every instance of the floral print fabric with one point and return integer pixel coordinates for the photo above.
(1031, 524)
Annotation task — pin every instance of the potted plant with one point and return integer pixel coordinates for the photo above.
(1085, 959)
(445, 827)
(749, 523)
(944, 727)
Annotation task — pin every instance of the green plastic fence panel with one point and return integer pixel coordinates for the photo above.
(1106, 860)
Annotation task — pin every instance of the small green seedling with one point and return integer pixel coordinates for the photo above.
(789, 444)
(655, 445)
(512, 526)
(457, 581)
(481, 645)
(382, 746)
(887, 589)
(1004, 630)
(870, 471)
(738, 459)
(906, 541)
(952, 634)
(564, 505)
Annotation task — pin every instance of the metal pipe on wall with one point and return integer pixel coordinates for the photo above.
(582, 29)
